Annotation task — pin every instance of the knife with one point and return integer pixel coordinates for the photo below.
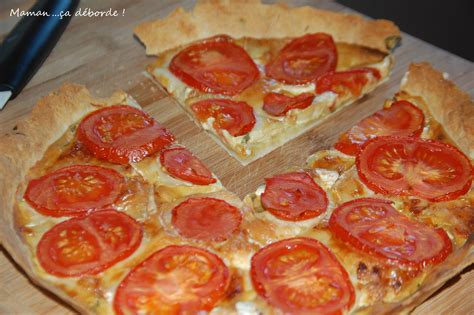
(29, 43)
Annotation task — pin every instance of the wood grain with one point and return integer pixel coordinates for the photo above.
(103, 54)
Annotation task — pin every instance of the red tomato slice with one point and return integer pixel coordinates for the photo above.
(294, 197)
(375, 227)
(215, 66)
(182, 164)
(304, 59)
(173, 280)
(415, 167)
(122, 134)
(346, 82)
(90, 244)
(401, 119)
(74, 190)
(235, 117)
(301, 276)
(277, 104)
(206, 219)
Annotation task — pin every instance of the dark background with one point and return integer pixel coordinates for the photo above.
(448, 24)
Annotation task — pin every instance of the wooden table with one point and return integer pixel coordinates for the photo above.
(103, 54)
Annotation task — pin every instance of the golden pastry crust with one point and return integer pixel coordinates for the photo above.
(251, 18)
(450, 106)
(25, 145)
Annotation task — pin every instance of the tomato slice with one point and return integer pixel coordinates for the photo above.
(235, 117)
(346, 82)
(89, 244)
(74, 190)
(294, 197)
(206, 219)
(402, 118)
(173, 280)
(375, 227)
(182, 164)
(415, 167)
(215, 66)
(301, 276)
(122, 134)
(277, 104)
(304, 59)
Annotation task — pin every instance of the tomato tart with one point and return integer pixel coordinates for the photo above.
(113, 215)
(255, 75)
(106, 209)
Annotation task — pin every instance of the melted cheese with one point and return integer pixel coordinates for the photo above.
(169, 188)
(264, 228)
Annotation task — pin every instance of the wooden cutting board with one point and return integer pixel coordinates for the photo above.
(102, 53)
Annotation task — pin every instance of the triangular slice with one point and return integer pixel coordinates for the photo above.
(256, 76)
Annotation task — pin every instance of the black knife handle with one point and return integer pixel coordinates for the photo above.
(30, 42)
